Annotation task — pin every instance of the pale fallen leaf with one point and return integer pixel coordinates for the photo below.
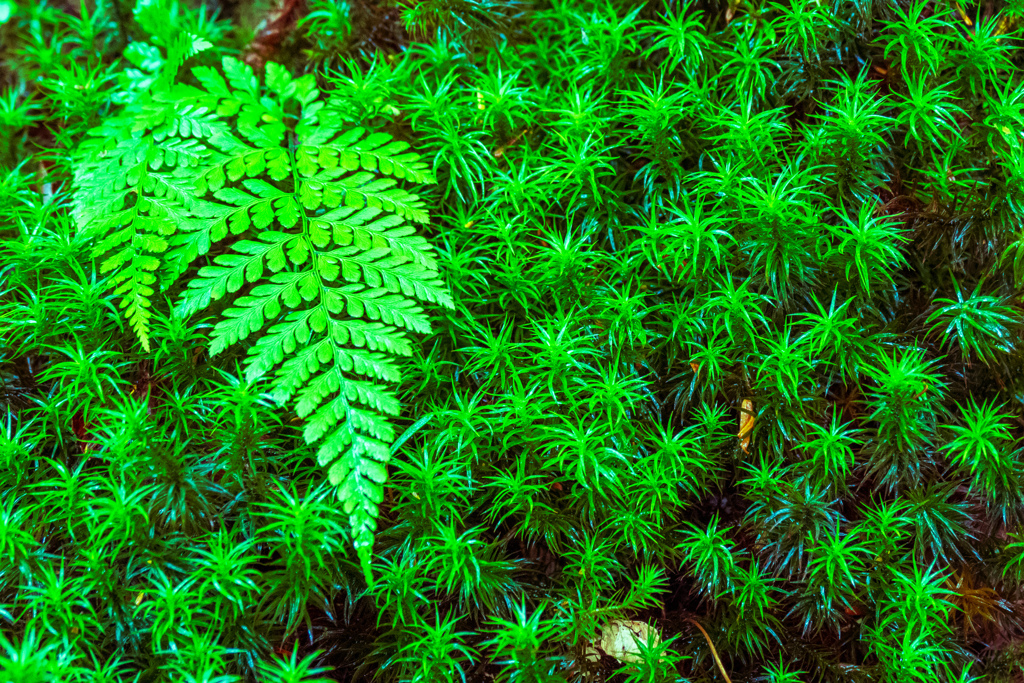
(746, 423)
(621, 639)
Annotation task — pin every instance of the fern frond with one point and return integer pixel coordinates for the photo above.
(326, 274)
(134, 187)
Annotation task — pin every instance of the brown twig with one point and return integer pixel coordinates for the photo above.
(714, 652)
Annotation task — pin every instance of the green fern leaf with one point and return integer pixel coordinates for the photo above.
(324, 273)
(133, 188)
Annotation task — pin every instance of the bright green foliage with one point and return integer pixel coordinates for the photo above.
(711, 557)
(981, 325)
(984, 445)
(728, 350)
(322, 237)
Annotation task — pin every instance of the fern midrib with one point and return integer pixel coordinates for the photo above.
(314, 256)
(304, 221)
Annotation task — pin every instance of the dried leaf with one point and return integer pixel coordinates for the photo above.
(963, 14)
(621, 639)
(746, 423)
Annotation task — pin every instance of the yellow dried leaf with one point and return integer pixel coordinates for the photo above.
(963, 14)
(746, 423)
